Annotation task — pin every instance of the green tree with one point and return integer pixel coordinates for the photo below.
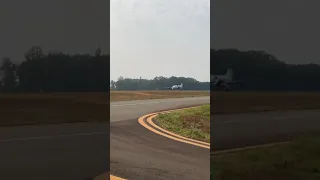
(261, 71)
(9, 78)
(59, 72)
(160, 83)
(35, 53)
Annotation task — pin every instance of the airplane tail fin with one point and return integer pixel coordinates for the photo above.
(229, 73)
(181, 85)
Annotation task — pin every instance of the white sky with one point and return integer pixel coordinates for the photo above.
(151, 38)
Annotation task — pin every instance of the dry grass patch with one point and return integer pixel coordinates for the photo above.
(23, 109)
(144, 95)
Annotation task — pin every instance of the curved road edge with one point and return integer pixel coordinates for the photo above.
(147, 122)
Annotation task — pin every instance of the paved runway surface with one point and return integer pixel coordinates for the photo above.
(80, 151)
(138, 154)
(125, 110)
(241, 130)
(65, 152)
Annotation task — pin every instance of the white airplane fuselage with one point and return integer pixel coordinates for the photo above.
(176, 87)
(223, 81)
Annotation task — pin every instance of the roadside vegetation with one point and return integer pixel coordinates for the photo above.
(193, 123)
(297, 160)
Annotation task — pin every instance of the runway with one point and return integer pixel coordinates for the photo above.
(138, 154)
(80, 151)
(66, 151)
(124, 110)
(249, 129)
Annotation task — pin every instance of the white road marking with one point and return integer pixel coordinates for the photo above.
(50, 137)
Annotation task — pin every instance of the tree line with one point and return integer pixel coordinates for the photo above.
(261, 71)
(62, 72)
(158, 83)
(56, 72)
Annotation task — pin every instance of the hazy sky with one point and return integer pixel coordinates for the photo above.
(288, 29)
(160, 38)
(63, 25)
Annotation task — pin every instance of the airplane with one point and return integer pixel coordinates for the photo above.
(178, 87)
(225, 80)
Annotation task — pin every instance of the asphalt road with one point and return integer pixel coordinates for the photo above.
(139, 154)
(247, 129)
(124, 110)
(81, 150)
(65, 152)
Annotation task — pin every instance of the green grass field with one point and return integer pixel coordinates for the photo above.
(294, 161)
(192, 123)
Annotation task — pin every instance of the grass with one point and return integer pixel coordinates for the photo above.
(26, 109)
(192, 123)
(44, 108)
(142, 95)
(294, 161)
(238, 102)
